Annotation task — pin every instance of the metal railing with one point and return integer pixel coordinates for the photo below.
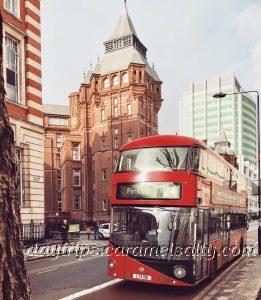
(32, 232)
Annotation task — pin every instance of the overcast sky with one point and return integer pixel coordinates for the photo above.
(189, 40)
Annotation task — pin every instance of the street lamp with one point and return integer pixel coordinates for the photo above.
(222, 95)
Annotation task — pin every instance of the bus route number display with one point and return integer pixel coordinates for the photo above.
(149, 190)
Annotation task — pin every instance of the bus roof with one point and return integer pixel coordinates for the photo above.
(163, 141)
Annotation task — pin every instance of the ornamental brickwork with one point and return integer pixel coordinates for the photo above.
(118, 101)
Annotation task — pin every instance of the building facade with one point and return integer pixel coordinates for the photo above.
(204, 117)
(118, 101)
(22, 74)
(56, 123)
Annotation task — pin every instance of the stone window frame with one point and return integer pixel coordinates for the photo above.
(12, 7)
(115, 112)
(77, 205)
(129, 109)
(104, 204)
(76, 177)
(103, 144)
(59, 138)
(125, 78)
(19, 37)
(106, 82)
(115, 80)
(104, 176)
(116, 143)
(103, 116)
(76, 153)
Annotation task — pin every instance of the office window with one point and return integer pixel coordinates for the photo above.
(59, 184)
(12, 69)
(116, 131)
(106, 83)
(125, 78)
(129, 138)
(129, 109)
(76, 151)
(59, 138)
(115, 80)
(12, 6)
(76, 177)
(115, 111)
(104, 174)
(58, 160)
(19, 159)
(103, 115)
(104, 205)
(59, 204)
(115, 101)
(77, 202)
(103, 145)
(57, 121)
(116, 143)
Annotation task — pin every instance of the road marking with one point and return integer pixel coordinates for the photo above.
(50, 270)
(63, 264)
(92, 290)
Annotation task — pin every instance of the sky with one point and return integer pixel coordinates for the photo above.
(188, 40)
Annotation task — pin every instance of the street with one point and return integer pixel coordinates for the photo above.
(66, 275)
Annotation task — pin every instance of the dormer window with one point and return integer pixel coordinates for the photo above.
(106, 82)
(125, 78)
(115, 80)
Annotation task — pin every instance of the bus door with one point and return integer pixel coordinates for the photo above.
(202, 242)
(226, 237)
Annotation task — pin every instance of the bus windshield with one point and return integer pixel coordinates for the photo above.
(158, 159)
(154, 227)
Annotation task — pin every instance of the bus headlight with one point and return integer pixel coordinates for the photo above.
(111, 264)
(179, 272)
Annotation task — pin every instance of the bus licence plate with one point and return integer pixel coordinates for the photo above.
(142, 277)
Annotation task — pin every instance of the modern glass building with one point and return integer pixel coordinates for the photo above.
(203, 117)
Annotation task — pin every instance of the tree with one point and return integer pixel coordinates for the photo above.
(14, 283)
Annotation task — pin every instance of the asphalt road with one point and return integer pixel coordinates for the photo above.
(55, 279)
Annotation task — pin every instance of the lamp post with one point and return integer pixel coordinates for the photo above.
(222, 95)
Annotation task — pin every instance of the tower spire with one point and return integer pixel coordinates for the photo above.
(125, 4)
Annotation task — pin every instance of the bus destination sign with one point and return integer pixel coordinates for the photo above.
(149, 190)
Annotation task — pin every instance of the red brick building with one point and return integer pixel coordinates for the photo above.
(23, 85)
(118, 101)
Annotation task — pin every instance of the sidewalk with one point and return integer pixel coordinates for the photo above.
(241, 283)
(42, 250)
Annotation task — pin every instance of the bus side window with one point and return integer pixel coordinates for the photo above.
(215, 226)
(203, 163)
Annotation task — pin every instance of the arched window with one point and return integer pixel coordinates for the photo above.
(125, 78)
(106, 82)
(12, 69)
(115, 80)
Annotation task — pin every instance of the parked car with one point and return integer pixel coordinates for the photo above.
(104, 231)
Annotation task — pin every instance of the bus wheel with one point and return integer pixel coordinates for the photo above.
(213, 267)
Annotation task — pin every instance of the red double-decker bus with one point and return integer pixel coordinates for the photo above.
(178, 212)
